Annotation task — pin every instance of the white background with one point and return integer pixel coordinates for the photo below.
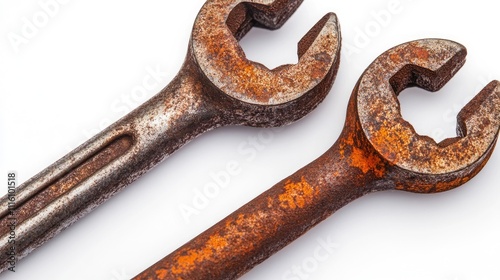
(82, 69)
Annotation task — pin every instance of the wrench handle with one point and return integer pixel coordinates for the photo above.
(269, 222)
(88, 176)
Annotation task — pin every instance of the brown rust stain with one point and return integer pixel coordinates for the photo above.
(420, 53)
(297, 194)
(413, 52)
(435, 187)
(395, 58)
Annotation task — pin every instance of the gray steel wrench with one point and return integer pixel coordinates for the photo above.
(216, 86)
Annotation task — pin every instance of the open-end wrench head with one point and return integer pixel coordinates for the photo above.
(267, 96)
(429, 64)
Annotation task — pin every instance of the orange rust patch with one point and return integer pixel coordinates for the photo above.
(217, 242)
(161, 273)
(349, 141)
(421, 53)
(395, 58)
(367, 163)
(188, 261)
(214, 244)
(241, 219)
(270, 202)
(390, 142)
(361, 160)
(297, 194)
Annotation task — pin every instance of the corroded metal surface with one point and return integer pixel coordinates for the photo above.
(433, 166)
(198, 99)
(228, 69)
(377, 150)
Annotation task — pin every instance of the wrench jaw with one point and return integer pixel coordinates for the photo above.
(293, 91)
(481, 115)
(272, 16)
(257, 95)
(418, 163)
(478, 126)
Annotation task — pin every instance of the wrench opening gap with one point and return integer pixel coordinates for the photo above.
(429, 80)
(424, 111)
(244, 16)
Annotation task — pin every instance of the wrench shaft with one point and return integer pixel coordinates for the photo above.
(269, 222)
(92, 173)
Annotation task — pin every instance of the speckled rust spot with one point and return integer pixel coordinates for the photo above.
(161, 274)
(270, 202)
(392, 143)
(217, 242)
(296, 194)
(420, 53)
(395, 58)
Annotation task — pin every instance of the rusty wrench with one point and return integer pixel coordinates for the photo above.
(377, 150)
(216, 86)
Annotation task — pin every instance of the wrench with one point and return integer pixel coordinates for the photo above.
(216, 86)
(377, 150)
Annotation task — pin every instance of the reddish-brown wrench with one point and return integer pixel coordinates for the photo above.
(216, 86)
(377, 150)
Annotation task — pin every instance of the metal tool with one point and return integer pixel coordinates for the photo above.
(377, 150)
(216, 86)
